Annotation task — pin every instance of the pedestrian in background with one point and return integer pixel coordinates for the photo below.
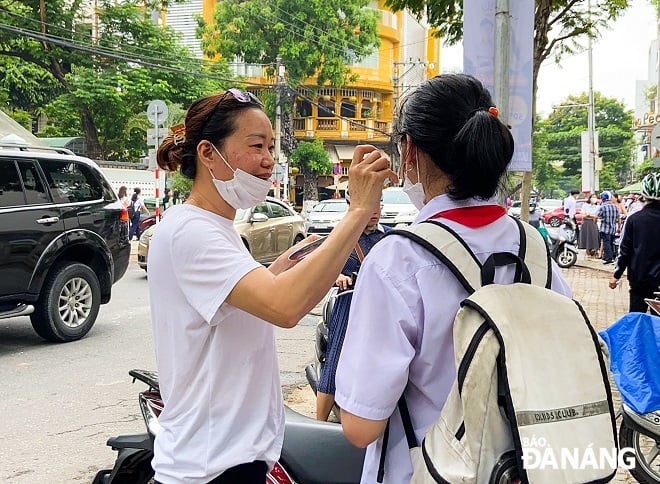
(122, 194)
(589, 238)
(608, 214)
(639, 251)
(135, 207)
(167, 199)
(570, 205)
(325, 395)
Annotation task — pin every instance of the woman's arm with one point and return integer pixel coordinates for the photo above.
(290, 290)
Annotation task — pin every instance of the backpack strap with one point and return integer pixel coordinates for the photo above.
(411, 439)
(449, 248)
(535, 253)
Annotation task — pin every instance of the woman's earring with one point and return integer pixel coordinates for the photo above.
(409, 168)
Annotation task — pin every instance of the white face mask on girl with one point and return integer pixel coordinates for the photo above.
(415, 191)
(243, 190)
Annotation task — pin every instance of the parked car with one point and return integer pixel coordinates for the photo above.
(548, 204)
(554, 217)
(63, 240)
(397, 208)
(325, 215)
(267, 230)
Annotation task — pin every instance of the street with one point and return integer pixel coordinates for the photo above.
(62, 402)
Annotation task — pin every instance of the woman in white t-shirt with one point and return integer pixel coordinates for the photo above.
(214, 308)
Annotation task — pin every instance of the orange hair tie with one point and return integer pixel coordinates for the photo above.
(494, 111)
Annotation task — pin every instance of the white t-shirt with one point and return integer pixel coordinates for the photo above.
(399, 332)
(217, 364)
(570, 206)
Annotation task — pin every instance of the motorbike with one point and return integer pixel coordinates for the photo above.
(640, 418)
(562, 243)
(310, 452)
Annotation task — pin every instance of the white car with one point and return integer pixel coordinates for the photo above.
(397, 208)
(325, 216)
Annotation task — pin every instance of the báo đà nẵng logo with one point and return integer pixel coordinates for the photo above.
(538, 454)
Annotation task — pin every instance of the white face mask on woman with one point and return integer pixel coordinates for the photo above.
(243, 190)
(415, 191)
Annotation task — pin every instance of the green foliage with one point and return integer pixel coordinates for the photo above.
(310, 156)
(180, 183)
(91, 93)
(313, 38)
(22, 117)
(546, 174)
(557, 23)
(561, 135)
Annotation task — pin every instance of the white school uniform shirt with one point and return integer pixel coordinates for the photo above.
(217, 364)
(399, 333)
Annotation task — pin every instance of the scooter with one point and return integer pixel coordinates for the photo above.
(562, 244)
(639, 430)
(310, 452)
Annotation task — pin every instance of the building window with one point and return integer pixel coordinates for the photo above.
(348, 108)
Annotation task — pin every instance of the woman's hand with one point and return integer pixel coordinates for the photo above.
(367, 174)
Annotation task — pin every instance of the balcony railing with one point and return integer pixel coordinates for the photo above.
(327, 124)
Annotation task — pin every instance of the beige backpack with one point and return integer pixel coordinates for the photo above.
(531, 402)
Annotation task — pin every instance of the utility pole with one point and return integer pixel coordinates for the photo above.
(501, 88)
(593, 172)
(278, 124)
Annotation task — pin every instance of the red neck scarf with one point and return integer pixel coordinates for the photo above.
(473, 217)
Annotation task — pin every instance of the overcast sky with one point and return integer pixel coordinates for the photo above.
(620, 57)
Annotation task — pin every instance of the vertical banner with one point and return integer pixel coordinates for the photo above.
(479, 61)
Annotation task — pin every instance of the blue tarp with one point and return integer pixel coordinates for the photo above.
(634, 344)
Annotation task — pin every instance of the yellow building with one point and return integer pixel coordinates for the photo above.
(361, 112)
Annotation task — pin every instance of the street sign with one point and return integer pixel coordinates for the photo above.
(157, 112)
(153, 164)
(151, 136)
(655, 137)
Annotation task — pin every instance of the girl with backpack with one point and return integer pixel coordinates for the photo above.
(135, 207)
(454, 155)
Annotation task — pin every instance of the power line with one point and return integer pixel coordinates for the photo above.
(118, 56)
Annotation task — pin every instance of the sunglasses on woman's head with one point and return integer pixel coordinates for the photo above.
(243, 96)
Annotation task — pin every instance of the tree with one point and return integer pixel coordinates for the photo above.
(546, 173)
(558, 27)
(104, 83)
(558, 24)
(562, 131)
(312, 160)
(312, 38)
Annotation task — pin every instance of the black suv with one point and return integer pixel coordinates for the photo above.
(63, 240)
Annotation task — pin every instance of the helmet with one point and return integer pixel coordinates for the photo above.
(605, 195)
(651, 186)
